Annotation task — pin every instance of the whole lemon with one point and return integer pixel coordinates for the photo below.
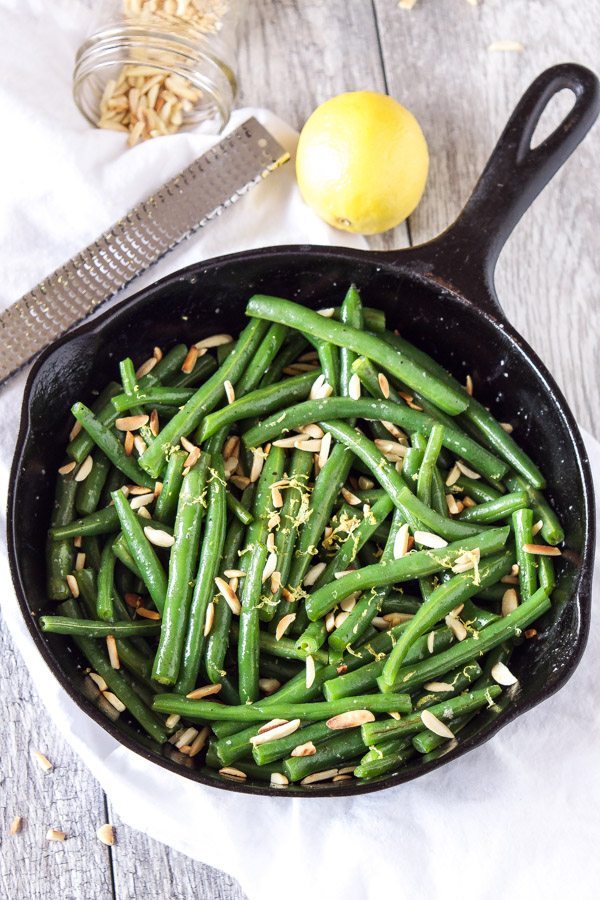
(362, 162)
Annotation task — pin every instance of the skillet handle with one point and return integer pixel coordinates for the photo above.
(515, 174)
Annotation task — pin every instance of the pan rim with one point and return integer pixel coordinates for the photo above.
(400, 266)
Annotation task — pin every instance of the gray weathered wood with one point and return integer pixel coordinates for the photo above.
(293, 56)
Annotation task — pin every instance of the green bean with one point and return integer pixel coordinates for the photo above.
(522, 523)
(142, 550)
(284, 647)
(106, 572)
(552, 530)
(413, 565)
(374, 764)
(259, 402)
(267, 753)
(329, 362)
(183, 560)
(338, 749)
(311, 323)
(104, 521)
(82, 445)
(459, 680)
(91, 547)
(476, 490)
(475, 618)
(218, 639)
(446, 711)
(89, 491)
(204, 367)
(438, 493)
(450, 529)
(238, 509)
(350, 314)
(441, 602)
(546, 575)
(60, 554)
(121, 552)
(430, 456)
(110, 445)
(166, 502)
(410, 467)
(494, 510)
(293, 347)
(283, 670)
(115, 680)
(207, 568)
(96, 628)
(295, 506)
(253, 563)
(347, 551)
(260, 362)
(155, 396)
(312, 638)
(204, 400)
(363, 678)
(471, 648)
(249, 713)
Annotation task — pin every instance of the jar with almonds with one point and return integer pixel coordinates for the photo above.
(152, 67)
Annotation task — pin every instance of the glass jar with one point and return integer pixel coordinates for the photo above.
(151, 67)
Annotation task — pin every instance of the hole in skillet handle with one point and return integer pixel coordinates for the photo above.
(465, 256)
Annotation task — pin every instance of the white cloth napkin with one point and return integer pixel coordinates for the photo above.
(518, 816)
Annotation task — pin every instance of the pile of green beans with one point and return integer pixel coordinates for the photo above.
(304, 554)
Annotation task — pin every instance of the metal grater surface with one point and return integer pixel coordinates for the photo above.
(202, 191)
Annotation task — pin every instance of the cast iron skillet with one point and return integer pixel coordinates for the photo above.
(442, 297)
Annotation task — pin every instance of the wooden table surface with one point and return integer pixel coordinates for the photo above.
(294, 55)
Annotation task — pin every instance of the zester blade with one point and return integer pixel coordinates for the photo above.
(179, 208)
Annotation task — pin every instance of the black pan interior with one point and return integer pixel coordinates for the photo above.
(211, 297)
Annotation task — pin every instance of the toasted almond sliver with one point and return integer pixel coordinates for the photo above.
(310, 671)
(199, 741)
(432, 723)
(131, 423)
(348, 603)
(106, 835)
(215, 340)
(152, 614)
(192, 459)
(187, 444)
(275, 732)
(128, 443)
(283, 624)
(350, 498)
(230, 772)
(470, 473)
(55, 834)
(72, 585)
(453, 475)
(157, 537)
(427, 539)
(341, 618)
(307, 749)
(325, 775)
(438, 687)
(396, 618)
(75, 430)
(229, 391)
(452, 504)
(327, 313)
(469, 386)
(16, 825)
(98, 681)
(258, 461)
(384, 385)
(269, 685)
(350, 719)
(276, 497)
(240, 481)
(234, 573)
(365, 484)
(113, 653)
(172, 720)
(401, 542)
(79, 562)
(507, 427)
(468, 501)
(354, 387)
(431, 641)
(510, 601)
(67, 468)
(42, 761)
(313, 573)
(114, 701)
(269, 567)
(278, 779)
(229, 596)
(309, 446)
(537, 527)
(312, 431)
(206, 690)
(209, 618)
(139, 500)
(325, 449)
(541, 550)
(502, 675)
(190, 361)
(286, 442)
(456, 627)
(146, 367)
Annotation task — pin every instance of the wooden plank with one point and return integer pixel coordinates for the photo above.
(437, 62)
(68, 798)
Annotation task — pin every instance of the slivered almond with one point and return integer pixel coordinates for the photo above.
(271, 547)
(307, 749)
(131, 423)
(537, 527)
(467, 561)
(469, 386)
(42, 761)
(351, 719)
(133, 600)
(229, 391)
(453, 475)
(113, 653)
(187, 444)
(98, 681)
(215, 340)
(75, 431)
(320, 389)
(258, 461)
(273, 723)
(55, 834)
(209, 618)
(172, 720)
(507, 427)
(312, 431)
(140, 500)
(79, 562)
(139, 443)
(392, 450)
(230, 772)
(456, 627)
(114, 701)
(313, 574)
(470, 473)
(157, 354)
(327, 313)
(276, 497)
(514, 569)
(275, 582)
(365, 484)
(16, 824)
(350, 498)
(190, 360)
(106, 835)
(157, 537)
(384, 385)
(128, 443)
(509, 579)
(396, 618)
(234, 573)
(354, 387)
(395, 431)
(240, 481)
(229, 596)
(310, 671)
(541, 550)
(67, 468)
(401, 542)
(325, 775)
(269, 567)
(453, 506)
(432, 723)
(185, 736)
(269, 685)
(341, 618)
(286, 442)
(510, 601)
(137, 490)
(283, 625)
(309, 356)
(206, 690)
(502, 675)
(409, 400)
(428, 539)
(72, 585)
(325, 449)
(275, 733)
(278, 779)
(199, 741)
(84, 469)
(191, 460)
(431, 641)
(146, 367)
(438, 687)
(309, 446)
(348, 603)
(151, 614)
(468, 501)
